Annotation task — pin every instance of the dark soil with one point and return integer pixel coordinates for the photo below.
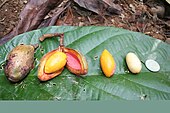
(135, 16)
(9, 14)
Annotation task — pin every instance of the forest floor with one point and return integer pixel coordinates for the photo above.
(136, 16)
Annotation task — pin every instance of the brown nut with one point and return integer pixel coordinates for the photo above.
(19, 62)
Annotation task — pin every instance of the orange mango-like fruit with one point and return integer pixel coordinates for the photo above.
(107, 63)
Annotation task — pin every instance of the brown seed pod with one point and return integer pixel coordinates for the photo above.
(74, 61)
(19, 62)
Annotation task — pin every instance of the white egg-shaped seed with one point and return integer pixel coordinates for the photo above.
(133, 63)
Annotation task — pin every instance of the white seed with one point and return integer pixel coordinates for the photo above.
(133, 63)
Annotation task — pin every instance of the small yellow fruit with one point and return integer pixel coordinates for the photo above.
(55, 62)
(107, 63)
(133, 63)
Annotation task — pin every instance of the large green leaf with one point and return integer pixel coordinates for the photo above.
(91, 41)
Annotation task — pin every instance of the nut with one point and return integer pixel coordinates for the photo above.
(108, 64)
(19, 62)
(55, 62)
(133, 63)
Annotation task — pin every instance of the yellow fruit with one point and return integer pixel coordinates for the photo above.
(107, 63)
(133, 63)
(41, 71)
(55, 62)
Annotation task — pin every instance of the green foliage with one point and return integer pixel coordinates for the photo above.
(91, 41)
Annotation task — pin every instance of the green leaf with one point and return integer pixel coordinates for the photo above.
(91, 41)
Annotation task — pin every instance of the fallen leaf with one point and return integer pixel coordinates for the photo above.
(104, 7)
